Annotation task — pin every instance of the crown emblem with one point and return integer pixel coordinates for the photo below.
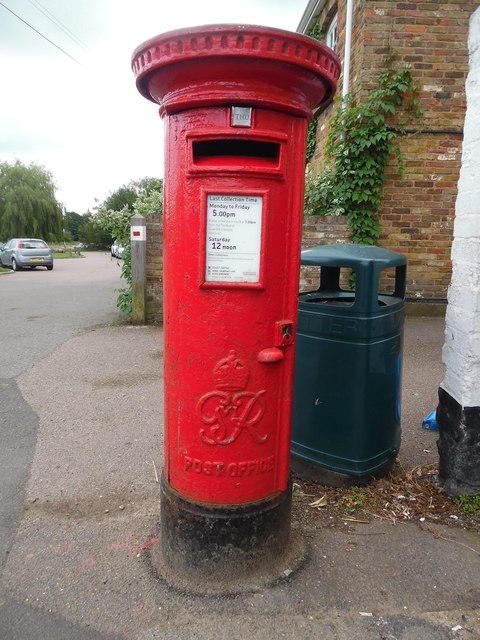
(230, 373)
(229, 410)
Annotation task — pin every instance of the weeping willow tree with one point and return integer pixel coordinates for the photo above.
(28, 207)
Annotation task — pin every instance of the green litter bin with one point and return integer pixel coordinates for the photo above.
(346, 409)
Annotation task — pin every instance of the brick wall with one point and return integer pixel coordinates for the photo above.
(154, 270)
(320, 230)
(417, 213)
(325, 18)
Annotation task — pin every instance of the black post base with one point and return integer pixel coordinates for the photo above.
(458, 446)
(229, 548)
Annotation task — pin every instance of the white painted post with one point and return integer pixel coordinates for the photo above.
(458, 413)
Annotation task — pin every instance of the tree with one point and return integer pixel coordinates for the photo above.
(114, 214)
(91, 234)
(74, 223)
(127, 194)
(148, 201)
(28, 206)
(123, 197)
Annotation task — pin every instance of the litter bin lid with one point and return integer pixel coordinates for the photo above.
(351, 255)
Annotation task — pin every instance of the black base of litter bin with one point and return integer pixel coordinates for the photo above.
(310, 471)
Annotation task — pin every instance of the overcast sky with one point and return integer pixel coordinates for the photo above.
(83, 118)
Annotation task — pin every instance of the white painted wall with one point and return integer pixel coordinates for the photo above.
(461, 352)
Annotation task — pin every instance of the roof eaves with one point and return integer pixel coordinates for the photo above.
(310, 15)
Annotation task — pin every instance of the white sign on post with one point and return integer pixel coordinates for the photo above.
(234, 236)
(137, 233)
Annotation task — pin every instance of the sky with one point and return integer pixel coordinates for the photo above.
(77, 112)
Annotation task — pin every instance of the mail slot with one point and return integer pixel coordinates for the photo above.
(235, 148)
(236, 101)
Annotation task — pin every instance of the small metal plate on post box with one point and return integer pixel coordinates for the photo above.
(241, 116)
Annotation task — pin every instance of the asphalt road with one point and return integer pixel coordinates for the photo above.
(40, 310)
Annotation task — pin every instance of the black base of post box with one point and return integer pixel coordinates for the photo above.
(221, 548)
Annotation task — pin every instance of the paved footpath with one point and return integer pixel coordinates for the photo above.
(80, 556)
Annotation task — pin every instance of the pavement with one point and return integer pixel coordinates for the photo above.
(80, 560)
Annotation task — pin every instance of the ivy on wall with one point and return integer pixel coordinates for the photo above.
(362, 137)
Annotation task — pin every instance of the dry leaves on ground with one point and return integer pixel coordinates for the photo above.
(412, 495)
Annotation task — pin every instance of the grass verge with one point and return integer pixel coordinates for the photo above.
(61, 255)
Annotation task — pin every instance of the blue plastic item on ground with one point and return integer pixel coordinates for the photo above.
(430, 422)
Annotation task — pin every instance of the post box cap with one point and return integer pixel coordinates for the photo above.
(229, 64)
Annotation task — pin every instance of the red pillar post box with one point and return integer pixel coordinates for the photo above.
(236, 101)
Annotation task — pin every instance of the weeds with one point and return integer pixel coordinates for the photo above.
(353, 500)
(470, 505)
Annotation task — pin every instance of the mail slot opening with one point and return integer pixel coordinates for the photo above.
(236, 151)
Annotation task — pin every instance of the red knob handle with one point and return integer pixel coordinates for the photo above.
(272, 354)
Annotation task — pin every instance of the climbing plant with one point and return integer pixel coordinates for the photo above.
(145, 197)
(362, 136)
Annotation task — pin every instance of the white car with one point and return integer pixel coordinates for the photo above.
(117, 250)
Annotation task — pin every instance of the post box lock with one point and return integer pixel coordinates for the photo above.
(283, 338)
(283, 333)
